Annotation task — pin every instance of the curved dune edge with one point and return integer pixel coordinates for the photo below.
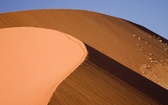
(34, 61)
(128, 43)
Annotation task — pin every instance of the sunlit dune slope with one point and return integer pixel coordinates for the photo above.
(34, 61)
(139, 54)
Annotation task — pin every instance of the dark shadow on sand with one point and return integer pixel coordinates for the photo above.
(136, 80)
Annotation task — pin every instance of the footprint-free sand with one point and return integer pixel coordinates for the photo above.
(33, 62)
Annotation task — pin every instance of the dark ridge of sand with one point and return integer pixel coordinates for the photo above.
(129, 44)
(98, 82)
(131, 77)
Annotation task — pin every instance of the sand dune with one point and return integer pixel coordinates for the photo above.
(127, 63)
(34, 61)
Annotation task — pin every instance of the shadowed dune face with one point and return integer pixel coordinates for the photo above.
(123, 41)
(99, 81)
(34, 61)
(129, 50)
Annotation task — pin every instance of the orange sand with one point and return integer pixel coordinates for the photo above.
(33, 63)
(127, 63)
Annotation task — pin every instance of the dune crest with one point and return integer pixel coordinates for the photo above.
(34, 61)
(126, 63)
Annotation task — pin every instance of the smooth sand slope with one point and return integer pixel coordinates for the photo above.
(34, 61)
(127, 63)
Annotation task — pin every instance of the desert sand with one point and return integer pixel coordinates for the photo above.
(34, 61)
(127, 63)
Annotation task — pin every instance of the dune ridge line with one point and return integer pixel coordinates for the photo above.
(34, 61)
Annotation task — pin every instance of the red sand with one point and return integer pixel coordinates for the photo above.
(33, 63)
